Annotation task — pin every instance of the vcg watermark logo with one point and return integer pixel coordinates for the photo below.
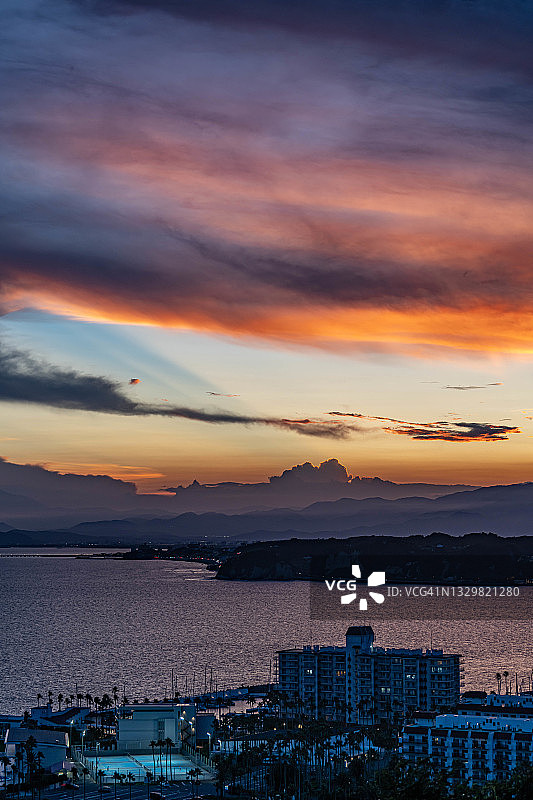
(348, 588)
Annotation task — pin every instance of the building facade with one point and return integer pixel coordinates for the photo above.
(471, 747)
(389, 683)
(51, 744)
(314, 680)
(363, 683)
(142, 723)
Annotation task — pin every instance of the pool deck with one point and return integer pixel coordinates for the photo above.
(176, 768)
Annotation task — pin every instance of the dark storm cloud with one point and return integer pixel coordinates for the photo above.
(26, 379)
(446, 431)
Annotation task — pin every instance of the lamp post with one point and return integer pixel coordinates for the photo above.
(83, 744)
(85, 771)
(208, 745)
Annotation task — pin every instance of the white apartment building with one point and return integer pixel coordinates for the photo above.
(471, 747)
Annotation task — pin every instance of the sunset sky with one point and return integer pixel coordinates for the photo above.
(239, 236)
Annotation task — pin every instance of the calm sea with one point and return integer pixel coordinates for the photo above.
(100, 623)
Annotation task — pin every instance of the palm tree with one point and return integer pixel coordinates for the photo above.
(194, 773)
(5, 761)
(115, 697)
(50, 697)
(59, 700)
(153, 746)
(160, 743)
(506, 675)
(29, 747)
(499, 682)
(96, 701)
(116, 777)
(15, 772)
(169, 745)
(39, 757)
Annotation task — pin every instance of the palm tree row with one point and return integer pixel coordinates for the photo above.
(76, 700)
(168, 744)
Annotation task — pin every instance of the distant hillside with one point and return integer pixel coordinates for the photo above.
(21, 538)
(438, 558)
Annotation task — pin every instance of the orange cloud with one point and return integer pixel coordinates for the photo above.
(344, 209)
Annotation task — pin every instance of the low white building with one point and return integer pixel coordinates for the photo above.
(140, 724)
(473, 747)
(481, 703)
(52, 744)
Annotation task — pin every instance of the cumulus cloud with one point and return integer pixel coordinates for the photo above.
(444, 430)
(26, 379)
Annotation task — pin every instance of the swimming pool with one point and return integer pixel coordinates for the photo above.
(175, 767)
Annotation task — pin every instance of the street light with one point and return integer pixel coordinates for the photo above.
(208, 745)
(83, 743)
(96, 761)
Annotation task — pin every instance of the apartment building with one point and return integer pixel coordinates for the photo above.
(470, 747)
(314, 679)
(364, 683)
(388, 683)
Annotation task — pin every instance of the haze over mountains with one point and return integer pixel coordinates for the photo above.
(40, 506)
(31, 495)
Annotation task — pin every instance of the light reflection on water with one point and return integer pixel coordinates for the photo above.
(100, 623)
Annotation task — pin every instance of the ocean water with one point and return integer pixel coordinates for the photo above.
(94, 624)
